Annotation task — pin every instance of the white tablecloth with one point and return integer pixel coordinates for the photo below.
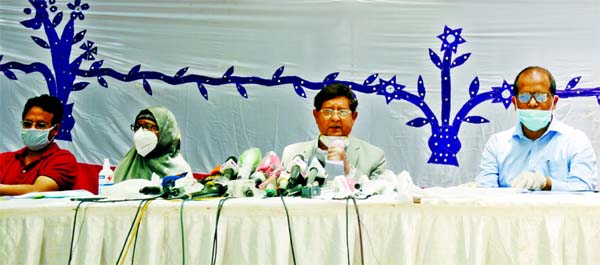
(449, 226)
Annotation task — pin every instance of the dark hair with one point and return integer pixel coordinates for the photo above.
(50, 104)
(334, 91)
(552, 82)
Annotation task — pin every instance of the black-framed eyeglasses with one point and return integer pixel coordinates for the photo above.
(342, 113)
(26, 124)
(145, 126)
(540, 97)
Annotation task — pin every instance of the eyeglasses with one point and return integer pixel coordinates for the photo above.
(145, 126)
(38, 125)
(540, 97)
(342, 113)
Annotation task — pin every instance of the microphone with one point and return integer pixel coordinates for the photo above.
(316, 172)
(297, 169)
(240, 188)
(215, 171)
(151, 190)
(282, 183)
(258, 178)
(271, 167)
(229, 169)
(210, 189)
(249, 160)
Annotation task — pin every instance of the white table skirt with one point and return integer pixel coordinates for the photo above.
(449, 226)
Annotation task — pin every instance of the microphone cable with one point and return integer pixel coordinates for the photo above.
(359, 231)
(135, 223)
(73, 231)
(137, 228)
(77, 212)
(213, 258)
(182, 231)
(289, 225)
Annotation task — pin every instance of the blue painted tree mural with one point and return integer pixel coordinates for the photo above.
(66, 75)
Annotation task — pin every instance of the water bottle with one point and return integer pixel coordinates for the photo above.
(105, 177)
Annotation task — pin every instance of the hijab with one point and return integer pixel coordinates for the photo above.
(164, 160)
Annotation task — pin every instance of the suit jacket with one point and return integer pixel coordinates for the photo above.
(366, 158)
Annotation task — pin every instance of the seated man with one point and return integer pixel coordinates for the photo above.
(541, 153)
(41, 165)
(335, 113)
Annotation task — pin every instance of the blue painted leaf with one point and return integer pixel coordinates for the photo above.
(299, 91)
(181, 72)
(278, 72)
(573, 83)
(460, 60)
(474, 87)
(228, 73)
(78, 37)
(421, 87)
(435, 59)
(370, 79)
(147, 87)
(476, 119)
(79, 86)
(418, 122)
(134, 70)
(96, 65)
(241, 90)
(598, 99)
(10, 74)
(1, 58)
(203, 91)
(102, 82)
(40, 42)
(57, 19)
(331, 77)
(33, 23)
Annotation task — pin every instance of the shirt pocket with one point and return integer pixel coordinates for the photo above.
(558, 169)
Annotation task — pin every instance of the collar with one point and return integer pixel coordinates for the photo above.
(48, 150)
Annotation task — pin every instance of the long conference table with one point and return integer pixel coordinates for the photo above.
(447, 226)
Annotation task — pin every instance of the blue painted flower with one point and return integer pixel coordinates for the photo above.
(502, 94)
(451, 39)
(89, 49)
(390, 89)
(78, 9)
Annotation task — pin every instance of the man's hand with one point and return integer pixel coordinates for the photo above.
(339, 153)
(529, 180)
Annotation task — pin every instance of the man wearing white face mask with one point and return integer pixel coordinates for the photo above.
(41, 165)
(156, 147)
(541, 153)
(335, 114)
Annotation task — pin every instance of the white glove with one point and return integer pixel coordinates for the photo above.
(529, 180)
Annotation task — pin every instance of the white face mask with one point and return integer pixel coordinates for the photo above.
(36, 139)
(329, 140)
(145, 141)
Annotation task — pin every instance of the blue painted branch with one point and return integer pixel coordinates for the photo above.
(469, 105)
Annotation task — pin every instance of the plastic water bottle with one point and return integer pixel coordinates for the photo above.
(105, 177)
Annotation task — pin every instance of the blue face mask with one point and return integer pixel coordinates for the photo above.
(36, 139)
(534, 119)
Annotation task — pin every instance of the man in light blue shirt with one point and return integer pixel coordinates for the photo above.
(541, 153)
